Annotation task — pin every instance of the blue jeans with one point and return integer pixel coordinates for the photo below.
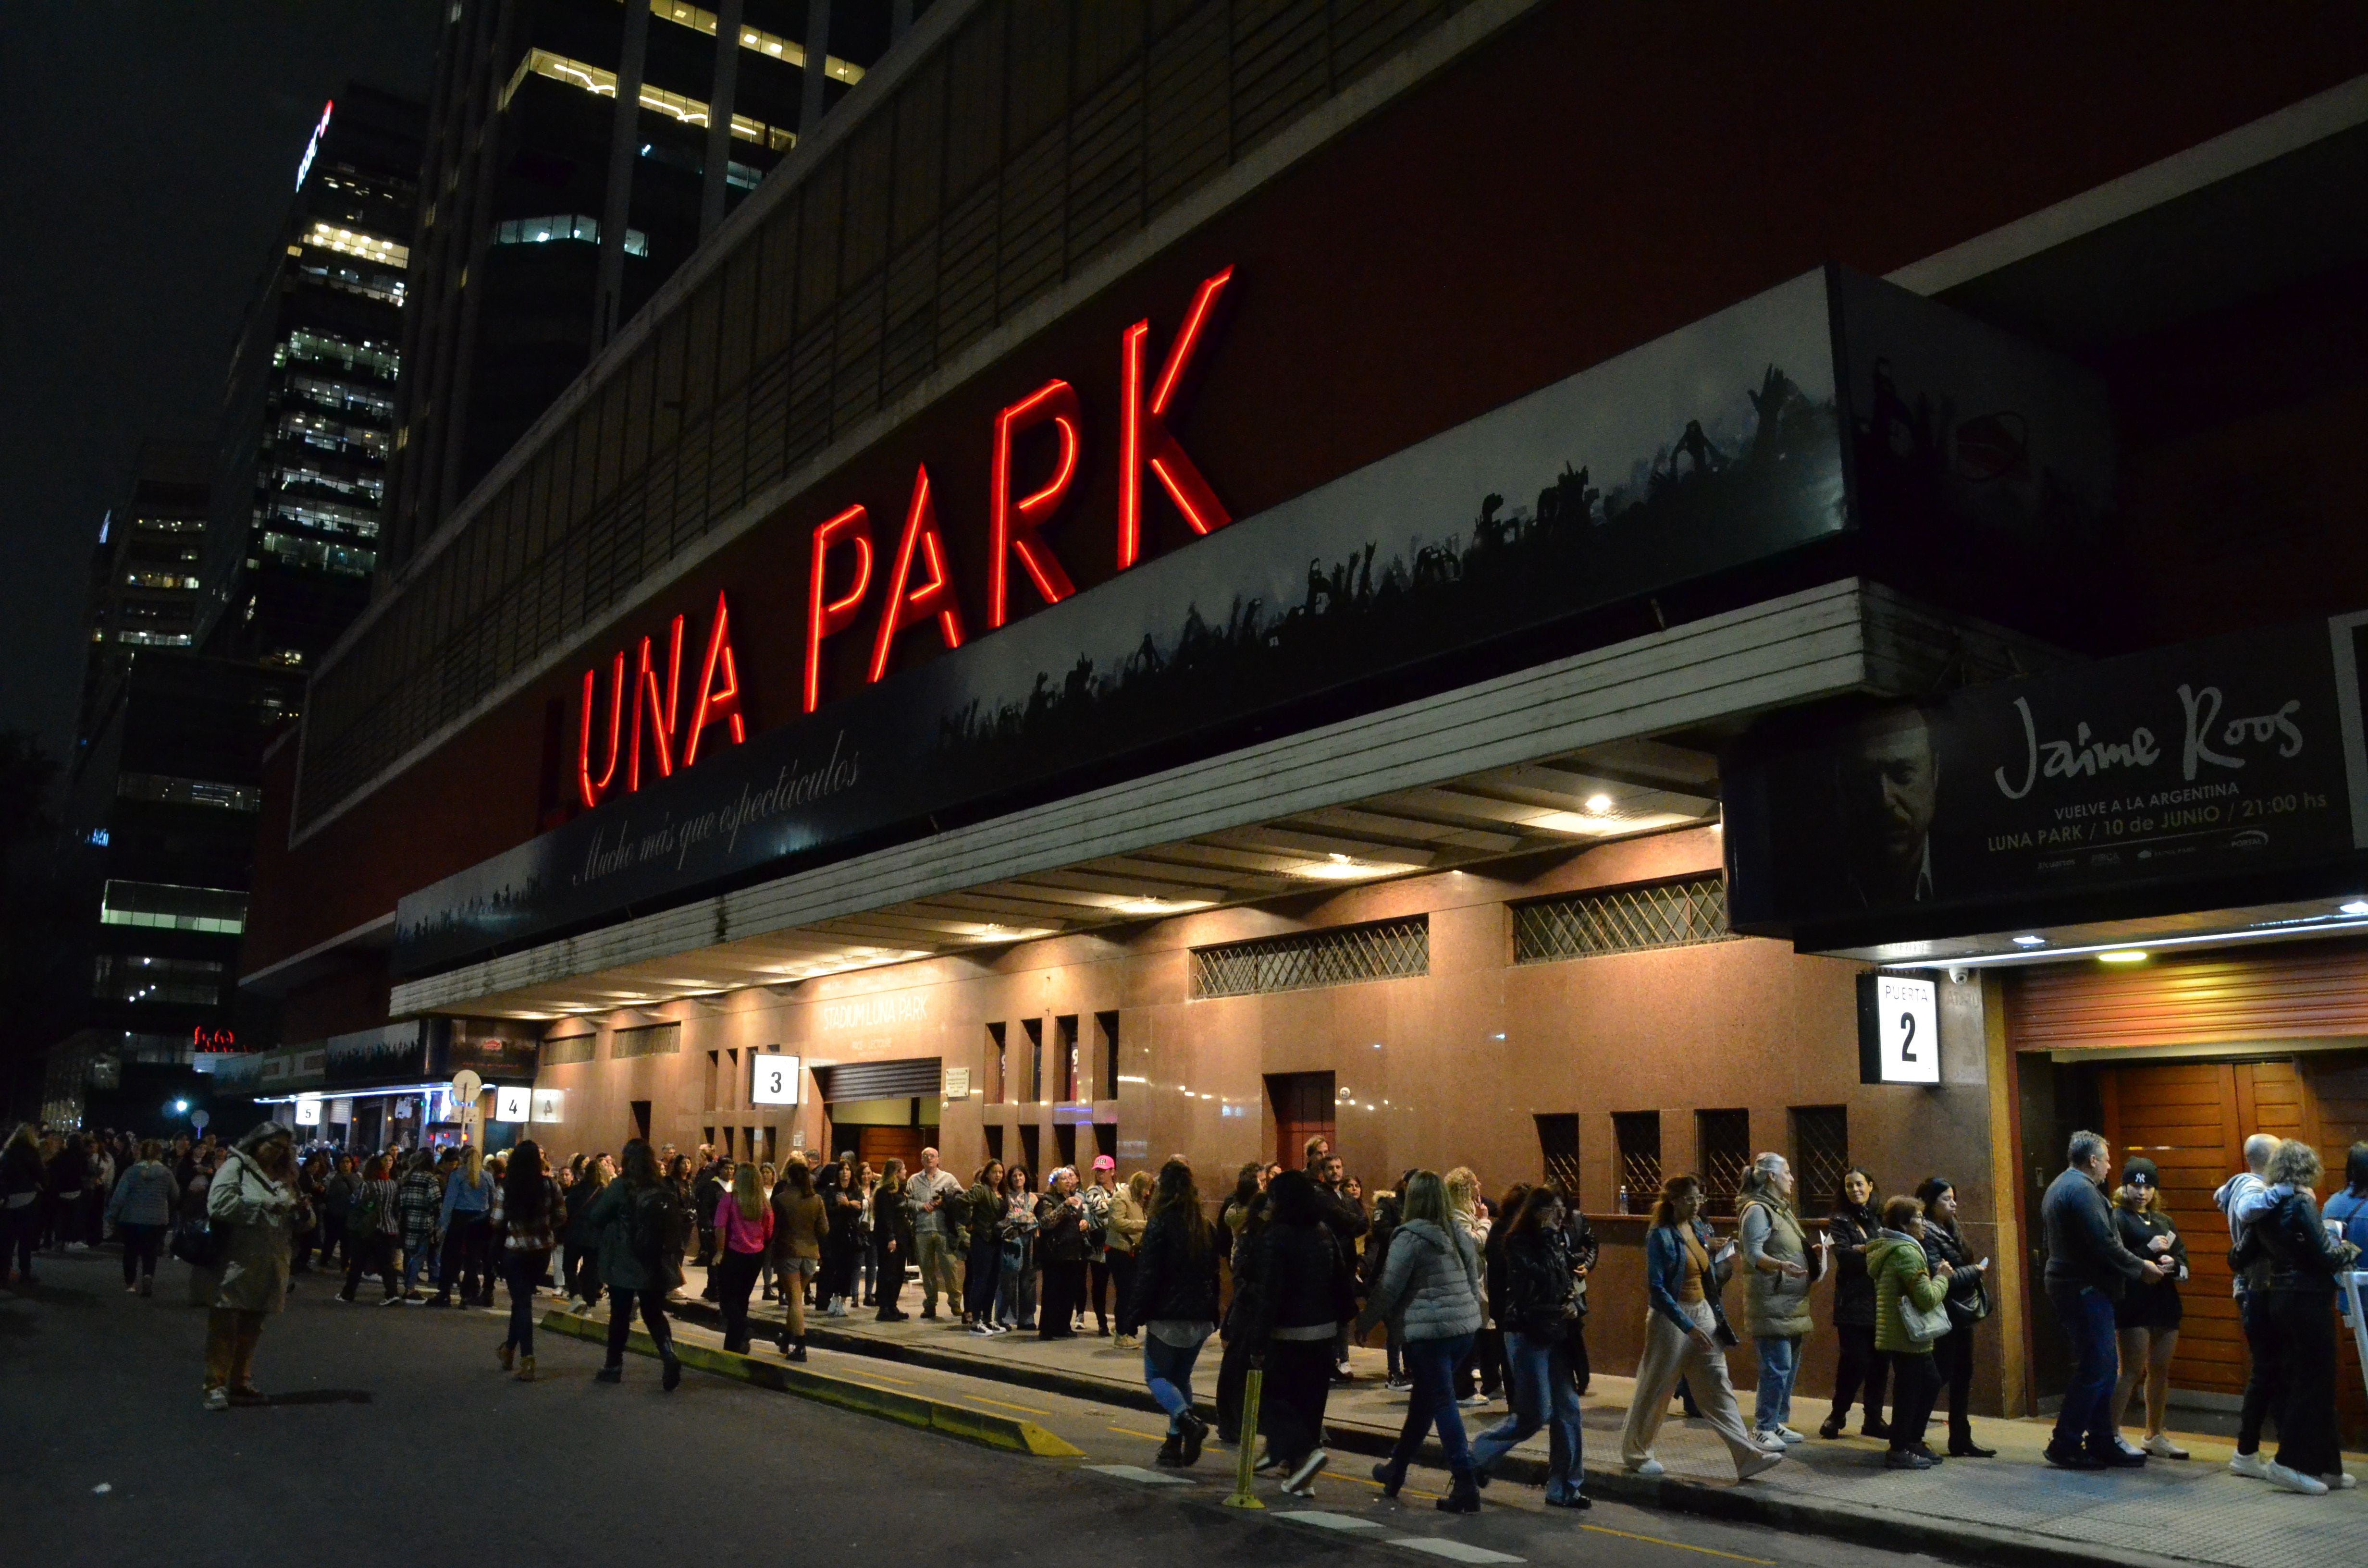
(1780, 1364)
(1431, 1364)
(418, 1262)
(521, 1270)
(2087, 1419)
(1545, 1394)
(1167, 1373)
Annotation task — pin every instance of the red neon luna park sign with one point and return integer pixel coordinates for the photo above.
(644, 715)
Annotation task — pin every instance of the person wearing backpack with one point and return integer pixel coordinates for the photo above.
(637, 1225)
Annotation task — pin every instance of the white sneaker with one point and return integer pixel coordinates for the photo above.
(1649, 1467)
(1790, 1436)
(1760, 1464)
(2286, 1480)
(1301, 1482)
(1473, 1400)
(2162, 1447)
(2252, 1466)
(218, 1398)
(2342, 1481)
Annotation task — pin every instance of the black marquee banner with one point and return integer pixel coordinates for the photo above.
(1788, 419)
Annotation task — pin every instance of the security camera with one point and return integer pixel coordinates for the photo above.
(1959, 975)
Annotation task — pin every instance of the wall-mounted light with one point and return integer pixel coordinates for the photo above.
(2122, 955)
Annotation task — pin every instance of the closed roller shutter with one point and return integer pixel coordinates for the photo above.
(2315, 991)
(916, 1076)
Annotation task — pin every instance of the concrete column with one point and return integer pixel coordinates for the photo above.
(624, 147)
(818, 54)
(719, 98)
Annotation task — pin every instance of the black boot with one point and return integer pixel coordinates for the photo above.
(673, 1378)
(1390, 1476)
(1196, 1432)
(797, 1352)
(1171, 1452)
(1463, 1497)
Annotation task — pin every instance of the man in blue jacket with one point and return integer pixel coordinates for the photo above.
(2088, 1270)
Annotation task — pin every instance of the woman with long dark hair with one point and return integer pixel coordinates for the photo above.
(1537, 1308)
(632, 1262)
(891, 1238)
(1678, 1341)
(1015, 1271)
(798, 1226)
(1968, 1301)
(1175, 1303)
(984, 1204)
(743, 1222)
(526, 1216)
(1852, 1224)
(842, 1211)
(1291, 1296)
(1239, 1223)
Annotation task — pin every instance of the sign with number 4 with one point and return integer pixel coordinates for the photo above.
(1899, 1030)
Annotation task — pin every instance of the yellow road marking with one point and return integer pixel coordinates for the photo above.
(1679, 1545)
(1131, 1432)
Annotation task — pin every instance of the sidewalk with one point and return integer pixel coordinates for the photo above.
(2010, 1509)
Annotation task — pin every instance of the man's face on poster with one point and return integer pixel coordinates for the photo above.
(1890, 784)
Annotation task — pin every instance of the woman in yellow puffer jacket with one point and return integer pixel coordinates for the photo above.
(1895, 1261)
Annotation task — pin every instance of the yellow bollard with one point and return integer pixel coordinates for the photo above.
(1245, 1459)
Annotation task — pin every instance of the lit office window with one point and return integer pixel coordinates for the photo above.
(126, 977)
(355, 242)
(326, 515)
(153, 639)
(341, 397)
(188, 792)
(542, 231)
(772, 46)
(322, 348)
(318, 555)
(169, 907)
(689, 111)
(158, 580)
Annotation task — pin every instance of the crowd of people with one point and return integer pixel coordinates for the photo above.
(1473, 1298)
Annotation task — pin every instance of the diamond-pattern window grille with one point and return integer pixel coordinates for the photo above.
(1637, 1135)
(1820, 1155)
(568, 1048)
(656, 1039)
(1387, 949)
(1624, 920)
(1726, 1142)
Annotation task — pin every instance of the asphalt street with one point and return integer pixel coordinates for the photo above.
(393, 1431)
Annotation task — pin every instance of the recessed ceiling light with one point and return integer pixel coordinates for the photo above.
(2030, 941)
(2356, 906)
(1598, 805)
(2124, 955)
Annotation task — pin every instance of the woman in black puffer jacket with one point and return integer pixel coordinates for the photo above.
(2302, 1263)
(1297, 1297)
(1852, 1225)
(1174, 1303)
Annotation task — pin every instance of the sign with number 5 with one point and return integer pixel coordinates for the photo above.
(774, 1079)
(1899, 1030)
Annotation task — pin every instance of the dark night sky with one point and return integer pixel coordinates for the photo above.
(152, 150)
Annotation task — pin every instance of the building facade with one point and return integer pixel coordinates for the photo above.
(308, 416)
(578, 151)
(1184, 576)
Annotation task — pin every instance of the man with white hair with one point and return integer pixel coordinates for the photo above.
(2243, 1199)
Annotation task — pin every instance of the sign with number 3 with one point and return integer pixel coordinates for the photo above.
(774, 1080)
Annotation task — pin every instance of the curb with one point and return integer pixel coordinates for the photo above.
(1730, 1504)
(928, 1414)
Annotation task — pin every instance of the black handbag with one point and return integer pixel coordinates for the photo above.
(196, 1243)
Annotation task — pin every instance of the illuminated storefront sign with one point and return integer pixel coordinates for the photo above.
(1718, 448)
